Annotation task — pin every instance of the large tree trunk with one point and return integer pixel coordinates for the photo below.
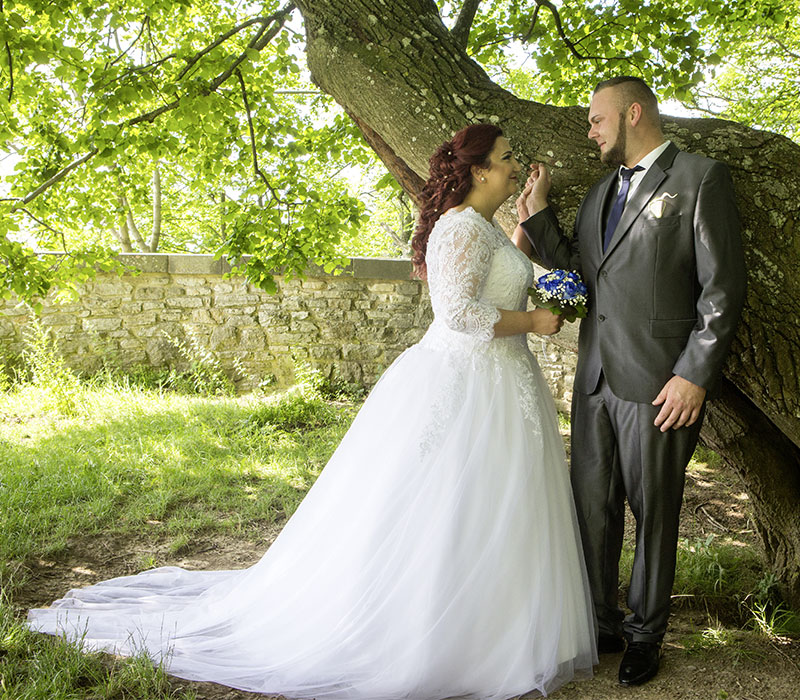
(408, 84)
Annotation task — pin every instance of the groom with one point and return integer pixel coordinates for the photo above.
(657, 242)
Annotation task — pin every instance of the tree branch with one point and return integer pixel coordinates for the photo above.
(253, 150)
(10, 64)
(145, 22)
(460, 31)
(397, 240)
(10, 72)
(783, 47)
(60, 175)
(131, 224)
(526, 37)
(155, 234)
(572, 46)
(122, 233)
(191, 62)
(58, 233)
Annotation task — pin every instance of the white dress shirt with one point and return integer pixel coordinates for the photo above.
(645, 163)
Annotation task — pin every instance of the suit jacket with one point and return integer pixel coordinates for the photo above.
(666, 296)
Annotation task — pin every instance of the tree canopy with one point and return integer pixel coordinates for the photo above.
(192, 125)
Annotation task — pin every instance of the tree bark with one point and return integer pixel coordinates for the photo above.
(409, 85)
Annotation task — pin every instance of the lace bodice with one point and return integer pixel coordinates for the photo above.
(474, 270)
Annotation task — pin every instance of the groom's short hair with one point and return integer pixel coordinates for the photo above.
(633, 89)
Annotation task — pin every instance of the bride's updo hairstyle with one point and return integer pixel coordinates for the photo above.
(449, 181)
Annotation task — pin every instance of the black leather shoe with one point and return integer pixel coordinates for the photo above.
(610, 644)
(640, 663)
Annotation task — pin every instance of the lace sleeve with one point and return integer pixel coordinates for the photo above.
(464, 254)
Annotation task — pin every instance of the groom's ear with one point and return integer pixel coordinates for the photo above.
(634, 113)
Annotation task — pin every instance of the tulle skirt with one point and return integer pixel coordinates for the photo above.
(437, 556)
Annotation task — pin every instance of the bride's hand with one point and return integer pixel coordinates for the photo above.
(522, 202)
(538, 188)
(545, 322)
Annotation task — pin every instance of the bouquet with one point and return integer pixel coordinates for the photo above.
(561, 291)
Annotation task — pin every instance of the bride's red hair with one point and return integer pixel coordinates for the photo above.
(449, 181)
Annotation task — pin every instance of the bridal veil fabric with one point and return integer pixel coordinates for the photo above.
(436, 556)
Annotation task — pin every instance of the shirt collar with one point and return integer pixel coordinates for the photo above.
(651, 157)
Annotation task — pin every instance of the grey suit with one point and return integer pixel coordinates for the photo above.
(665, 299)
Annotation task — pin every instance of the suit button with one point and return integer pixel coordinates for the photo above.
(604, 273)
(601, 317)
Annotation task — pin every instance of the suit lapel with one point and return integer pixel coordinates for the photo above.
(653, 178)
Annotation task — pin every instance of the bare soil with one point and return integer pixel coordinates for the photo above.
(750, 667)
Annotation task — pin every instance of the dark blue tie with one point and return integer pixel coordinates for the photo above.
(619, 203)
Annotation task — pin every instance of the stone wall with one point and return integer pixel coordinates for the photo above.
(353, 324)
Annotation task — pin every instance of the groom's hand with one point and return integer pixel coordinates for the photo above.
(682, 401)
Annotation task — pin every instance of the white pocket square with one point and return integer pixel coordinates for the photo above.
(659, 204)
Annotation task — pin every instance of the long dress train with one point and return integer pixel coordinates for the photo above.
(437, 555)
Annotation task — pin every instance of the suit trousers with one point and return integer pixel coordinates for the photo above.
(618, 453)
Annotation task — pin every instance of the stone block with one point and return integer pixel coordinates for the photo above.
(146, 262)
(101, 303)
(225, 300)
(101, 324)
(305, 327)
(311, 283)
(201, 316)
(240, 320)
(144, 318)
(184, 302)
(380, 287)
(148, 293)
(129, 308)
(324, 352)
(195, 281)
(402, 321)
(343, 304)
(58, 319)
(252, 338)
(189, 264)
(223, 336)
(272, 317)
(160, 351)
(382, 268)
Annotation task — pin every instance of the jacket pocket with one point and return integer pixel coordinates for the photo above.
(671, 327)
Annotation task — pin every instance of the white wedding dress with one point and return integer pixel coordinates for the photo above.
(437, 555)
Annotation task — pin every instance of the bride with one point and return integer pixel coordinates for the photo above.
(437, 555)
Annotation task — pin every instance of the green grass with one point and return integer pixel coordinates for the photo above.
(129, 460)
(35, 667)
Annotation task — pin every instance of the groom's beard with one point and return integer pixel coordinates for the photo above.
(616, 154)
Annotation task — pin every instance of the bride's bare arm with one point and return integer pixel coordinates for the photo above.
(541, 321)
